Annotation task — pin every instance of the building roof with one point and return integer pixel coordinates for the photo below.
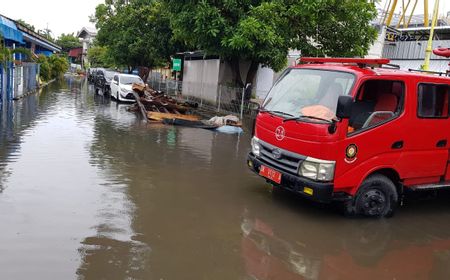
(9, 31)
(89, 31)
(77, 52)
(29, 35)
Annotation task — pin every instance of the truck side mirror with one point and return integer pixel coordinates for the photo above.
(344, 107)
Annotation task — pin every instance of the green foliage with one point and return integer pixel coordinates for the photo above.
(263, 31)
(68, 41)
(6, 54)
(52, 67)
(135, 32)
(25, 24)
(99, 57)
(45, 68)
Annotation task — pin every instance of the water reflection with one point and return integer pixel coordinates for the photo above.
(408, 247)
(90, 191)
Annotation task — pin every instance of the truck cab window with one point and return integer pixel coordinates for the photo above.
(433, 101)
(377, 102)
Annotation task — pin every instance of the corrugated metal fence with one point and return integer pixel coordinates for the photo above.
(18, 80)
(411, 49)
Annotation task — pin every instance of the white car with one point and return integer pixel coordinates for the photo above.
(121, 87)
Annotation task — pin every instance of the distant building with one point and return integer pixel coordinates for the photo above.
(87, 36)
(18, 77)
(18, 35)
(406, 47)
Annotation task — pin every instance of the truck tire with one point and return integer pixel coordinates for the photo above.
(377, 197)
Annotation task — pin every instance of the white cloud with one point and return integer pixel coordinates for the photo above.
(61, 16)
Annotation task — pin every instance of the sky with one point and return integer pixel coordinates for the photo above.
(444, 6)
(61, 16)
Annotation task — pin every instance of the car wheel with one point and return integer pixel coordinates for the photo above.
(377, 197)
(117, 97)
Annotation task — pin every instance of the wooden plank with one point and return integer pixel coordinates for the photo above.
(140, 105)
(161, 116)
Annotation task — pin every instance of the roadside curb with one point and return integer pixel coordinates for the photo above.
(34, 91)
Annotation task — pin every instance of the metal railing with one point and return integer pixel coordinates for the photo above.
(213, 99)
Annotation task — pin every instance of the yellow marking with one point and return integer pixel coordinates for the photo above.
(308, 191)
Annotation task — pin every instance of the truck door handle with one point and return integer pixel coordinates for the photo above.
(397, 145)
(441, 143)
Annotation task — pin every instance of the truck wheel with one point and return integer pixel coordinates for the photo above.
(376, 198)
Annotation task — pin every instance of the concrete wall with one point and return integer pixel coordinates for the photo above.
(376, 50)
(201, 78)
(264, 81)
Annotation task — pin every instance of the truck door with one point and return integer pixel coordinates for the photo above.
(447, 176)
(425, 160)
(374, 137)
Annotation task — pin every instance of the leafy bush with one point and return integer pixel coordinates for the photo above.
(45, 69)
(52, 67)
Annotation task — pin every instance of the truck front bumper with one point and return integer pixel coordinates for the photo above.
(317, 191)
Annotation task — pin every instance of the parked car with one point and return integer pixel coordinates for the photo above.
(355, 131)
(103, 80)
(121, 87)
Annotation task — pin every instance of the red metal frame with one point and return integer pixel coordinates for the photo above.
(364, 61)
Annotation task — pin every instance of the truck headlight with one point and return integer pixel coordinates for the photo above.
(317, 169)
(256, 148)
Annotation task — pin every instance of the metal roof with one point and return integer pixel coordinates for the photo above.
(9, 31)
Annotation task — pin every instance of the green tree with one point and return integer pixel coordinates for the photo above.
(263, 31)
(99, 57)
(44, 69)
(47, 34)
(25, 24)
(136, 32)
(68, 41)
(52, 67)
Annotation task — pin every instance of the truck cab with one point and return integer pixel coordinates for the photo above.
(354, 130)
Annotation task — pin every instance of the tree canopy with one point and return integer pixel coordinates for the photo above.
(147, 32)
(68, 41)
(135, 32)
(262, 32)
(25, 24)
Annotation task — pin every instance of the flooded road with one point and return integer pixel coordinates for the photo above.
(89, 192)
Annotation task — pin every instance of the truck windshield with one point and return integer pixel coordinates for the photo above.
(308, 93)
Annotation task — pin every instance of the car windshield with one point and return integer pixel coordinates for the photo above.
(128, 80)
(303, 93)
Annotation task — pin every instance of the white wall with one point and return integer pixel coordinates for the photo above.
(376, 50)
(264, 81)
(201, 78)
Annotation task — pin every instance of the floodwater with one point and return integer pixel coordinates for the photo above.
(89, 192)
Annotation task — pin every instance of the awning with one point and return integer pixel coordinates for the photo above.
(9, 31)
(40, 43)
(76, 52)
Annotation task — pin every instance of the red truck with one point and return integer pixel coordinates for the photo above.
(358, 131)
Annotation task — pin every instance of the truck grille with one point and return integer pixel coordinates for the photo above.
(280, 158)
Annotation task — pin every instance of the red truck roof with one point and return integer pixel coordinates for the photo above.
(365, 67)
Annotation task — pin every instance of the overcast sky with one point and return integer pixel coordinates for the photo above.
(444, 6)
(62, 16)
